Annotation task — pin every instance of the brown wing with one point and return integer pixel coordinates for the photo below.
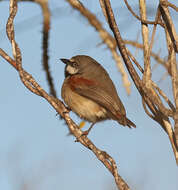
(97, 93)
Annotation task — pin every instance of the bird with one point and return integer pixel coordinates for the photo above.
(89, 92)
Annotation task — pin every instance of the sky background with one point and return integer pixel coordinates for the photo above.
(35, 151)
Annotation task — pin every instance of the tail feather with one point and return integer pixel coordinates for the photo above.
(130, 124)
(123, 120)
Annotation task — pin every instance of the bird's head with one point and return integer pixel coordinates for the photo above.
(80, 64)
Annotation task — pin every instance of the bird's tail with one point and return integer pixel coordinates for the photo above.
(130, 124)
(123, 120)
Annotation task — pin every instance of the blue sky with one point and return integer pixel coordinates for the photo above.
(36, 152)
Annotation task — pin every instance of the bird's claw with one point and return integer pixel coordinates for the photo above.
(84, 133)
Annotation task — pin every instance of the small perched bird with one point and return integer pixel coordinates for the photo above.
(90, 93)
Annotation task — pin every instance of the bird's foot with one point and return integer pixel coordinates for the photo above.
(85, 133)
(67, 109)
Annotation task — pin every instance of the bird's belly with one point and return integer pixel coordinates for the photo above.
(84, 107)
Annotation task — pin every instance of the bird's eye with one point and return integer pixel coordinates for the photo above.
(74, 64)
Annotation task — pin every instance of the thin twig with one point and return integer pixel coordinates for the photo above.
(167, 3)
(158, 14)
(8, 58)
(144, 21)
(169, 23)
(140, 46)
(46, 30)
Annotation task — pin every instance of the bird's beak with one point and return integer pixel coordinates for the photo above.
(65, 61)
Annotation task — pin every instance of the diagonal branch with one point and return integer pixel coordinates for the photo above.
(169, 23)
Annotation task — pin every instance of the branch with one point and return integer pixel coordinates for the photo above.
(170, 34)
(146, 50)
(46, 29)
(144, 21)
(164, 63)
(169, 23)
(167, 3)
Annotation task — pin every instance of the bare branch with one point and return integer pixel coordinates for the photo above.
(169, 23)
(158, 15)
(154, 55)
(171, 138)
(146, 50)
(164, 96)
(170, 34)
(8, 58)
(167, 3)
(46, 29)
(144, 21)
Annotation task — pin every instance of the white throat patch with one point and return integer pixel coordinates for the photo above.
(71, 70)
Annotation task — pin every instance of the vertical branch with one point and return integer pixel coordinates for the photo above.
(174, 77)
(145, 35)
(46, 29)
(158, 15)
(172, 61)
